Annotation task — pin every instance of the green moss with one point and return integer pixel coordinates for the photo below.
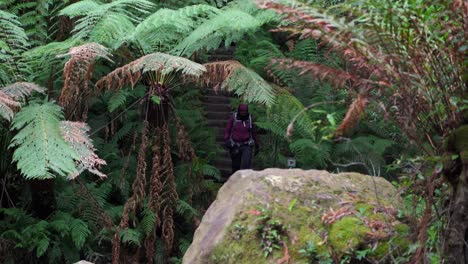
(347, 234)
(397, 245)
(241, 251)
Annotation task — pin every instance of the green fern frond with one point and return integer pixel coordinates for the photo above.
(42, 246)
(96, 19)
(148, 222)
(165, 28)
(212, 171)
(79, 232)
(228, 26)
(236, 78)
(248, 85)
(12, 33)
(117, 100)
(185, 209)
(115, 212)
(41, 150)
(131, 236)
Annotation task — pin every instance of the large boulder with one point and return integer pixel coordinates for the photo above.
(298, 216)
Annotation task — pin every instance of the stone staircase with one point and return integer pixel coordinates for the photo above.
(218, 111)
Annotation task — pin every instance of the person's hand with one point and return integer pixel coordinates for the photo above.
(227, 144)
(257, 149)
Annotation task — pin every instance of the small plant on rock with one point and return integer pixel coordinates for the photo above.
(270, 231)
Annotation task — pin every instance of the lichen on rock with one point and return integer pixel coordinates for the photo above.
(297, 216)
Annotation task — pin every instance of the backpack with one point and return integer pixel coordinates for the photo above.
(250, 142)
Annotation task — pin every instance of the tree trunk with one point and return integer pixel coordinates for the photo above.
(456, 171)
(457, 229)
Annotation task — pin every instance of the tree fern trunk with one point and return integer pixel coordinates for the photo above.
(158, 113)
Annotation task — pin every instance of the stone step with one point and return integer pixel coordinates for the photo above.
(216, 99)
(211, 91)
(218, 115)
(216, 123)
(215, 107)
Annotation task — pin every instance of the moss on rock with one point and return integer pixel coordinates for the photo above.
(347, 234)
(302, 203)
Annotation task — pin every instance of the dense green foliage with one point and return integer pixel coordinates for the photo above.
(122, 86)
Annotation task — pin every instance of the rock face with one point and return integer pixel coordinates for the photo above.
(297, 216)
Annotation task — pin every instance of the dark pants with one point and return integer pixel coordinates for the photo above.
(241, 157)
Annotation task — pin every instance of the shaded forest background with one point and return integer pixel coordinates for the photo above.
(105, 152)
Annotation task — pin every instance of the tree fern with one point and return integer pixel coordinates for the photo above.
(41, 150)
(161, 63)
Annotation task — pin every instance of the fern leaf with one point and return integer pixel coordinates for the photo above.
(131, 236)
(212, 171)
(42, 246)
(163, 29)
(77, 73)
(185, 209)
(353, 115)
(117, 100)
(75, 134)
(336, 77)
(11, 32)
(148, 222)
(8, 106)
(97, 19)
(229, 26)
(11, 93)
(40, 149)
(234, 77)
(20, 90)
(159, 62)
(79, 232)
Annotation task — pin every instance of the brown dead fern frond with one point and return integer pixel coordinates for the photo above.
(336, 77)
(353, 115)
(169, 194)
(158, 62)
(138, 189)
(11, 94)
(217, 72)
(76, 135)
(140, 178)
(77, 74)
(186, 151)
(155, 191)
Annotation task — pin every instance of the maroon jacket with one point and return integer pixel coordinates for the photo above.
(241, 131)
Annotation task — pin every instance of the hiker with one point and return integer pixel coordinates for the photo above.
(240, 136)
